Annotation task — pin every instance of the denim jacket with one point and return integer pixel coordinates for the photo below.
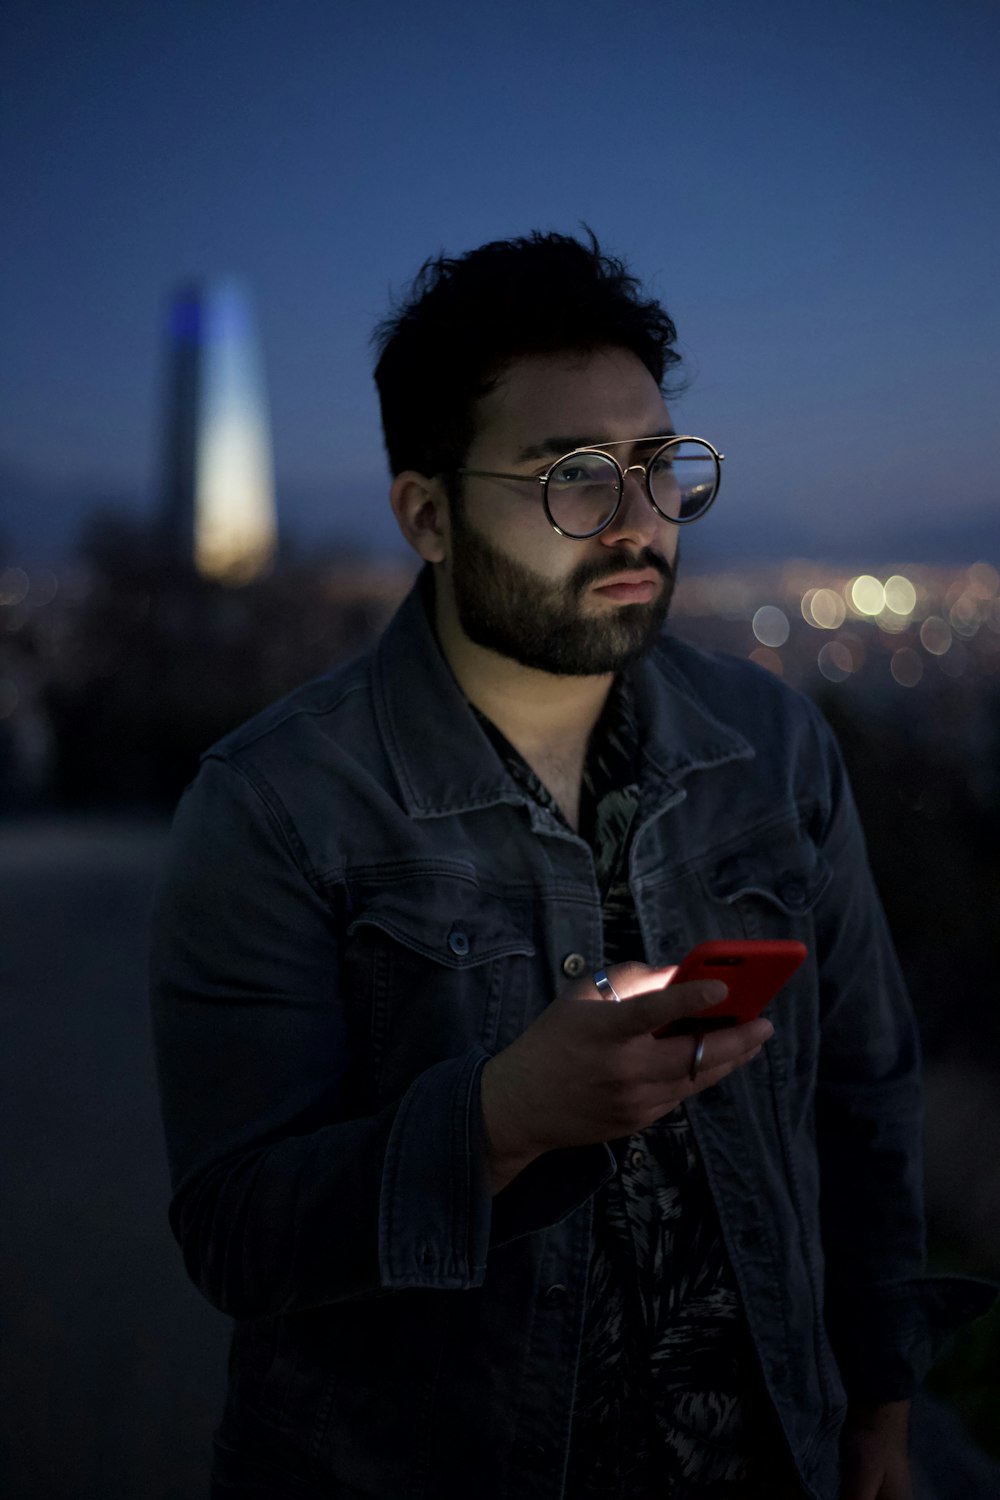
(359, 908)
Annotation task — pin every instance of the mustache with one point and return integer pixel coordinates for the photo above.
(607, 567)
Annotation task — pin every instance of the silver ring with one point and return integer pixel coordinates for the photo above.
(699, 1053)
(605, 986)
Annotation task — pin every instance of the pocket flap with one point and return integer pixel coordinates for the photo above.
(451, 922)
(791, 875)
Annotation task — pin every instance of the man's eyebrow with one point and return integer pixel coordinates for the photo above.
(565, 443)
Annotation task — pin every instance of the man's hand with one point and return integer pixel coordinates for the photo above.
(588, 1070)
(873, 1452)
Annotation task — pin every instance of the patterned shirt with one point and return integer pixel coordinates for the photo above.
(669, 1400)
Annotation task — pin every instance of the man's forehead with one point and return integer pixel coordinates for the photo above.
(545, 405)
(558, 443)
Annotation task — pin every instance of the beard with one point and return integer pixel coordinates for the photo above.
(506, 607)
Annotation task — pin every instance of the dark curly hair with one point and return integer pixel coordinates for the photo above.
(464, 319)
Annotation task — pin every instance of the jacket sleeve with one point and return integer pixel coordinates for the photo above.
(286, 1195)
(281, 1201)
(886, 1318)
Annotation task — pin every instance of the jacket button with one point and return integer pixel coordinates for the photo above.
(636, 1158)
(793, 893)
(556, 1295)
(573, 965)
(458, 942)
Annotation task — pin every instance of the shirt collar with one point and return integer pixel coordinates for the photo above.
(443, 760)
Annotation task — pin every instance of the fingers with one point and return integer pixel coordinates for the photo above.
(722, 1051)
(723, 1054)
(655, 1006)
(632, 979)
(653, 1001)
(627, 980)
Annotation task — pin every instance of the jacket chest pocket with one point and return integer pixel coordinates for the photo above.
(767, 889)
(433, 966)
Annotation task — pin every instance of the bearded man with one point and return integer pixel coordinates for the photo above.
(480, 1231)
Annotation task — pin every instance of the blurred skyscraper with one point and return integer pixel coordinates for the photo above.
(218, 500)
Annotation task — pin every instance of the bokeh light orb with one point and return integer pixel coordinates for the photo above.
(963, 617)
(906, 667)
(828, 609)
(765, 657)
(984, 580)
(835, 661)
(935, 635)
(867, 595)
(770, 625)
(900, 595)
(14, 585)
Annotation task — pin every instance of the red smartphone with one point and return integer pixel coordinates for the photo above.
(754, 969)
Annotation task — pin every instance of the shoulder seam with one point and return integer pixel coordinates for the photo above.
(276, 811)
(292, 713)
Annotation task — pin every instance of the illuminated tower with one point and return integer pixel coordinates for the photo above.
(218, 505)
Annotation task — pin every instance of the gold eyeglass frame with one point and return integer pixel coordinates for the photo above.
(669, 442)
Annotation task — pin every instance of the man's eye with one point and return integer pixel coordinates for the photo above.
(570, 474)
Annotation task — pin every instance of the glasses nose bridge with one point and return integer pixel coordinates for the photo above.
(623, 510)
(643, 469)
(627, 469)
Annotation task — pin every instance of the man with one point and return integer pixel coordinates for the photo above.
(480, 1231)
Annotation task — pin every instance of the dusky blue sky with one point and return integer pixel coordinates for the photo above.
(810, 189)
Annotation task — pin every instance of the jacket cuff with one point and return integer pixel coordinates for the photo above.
(887, 1338)
(434, 1200)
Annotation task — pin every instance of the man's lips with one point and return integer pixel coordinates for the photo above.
(634, 588)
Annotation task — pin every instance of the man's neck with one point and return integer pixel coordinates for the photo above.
(548, 719)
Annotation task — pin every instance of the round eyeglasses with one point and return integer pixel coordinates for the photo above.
(582, 491)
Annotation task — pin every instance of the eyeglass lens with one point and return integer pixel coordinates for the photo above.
(583, 489)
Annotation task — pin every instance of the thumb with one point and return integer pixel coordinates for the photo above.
(659, 1002)
(629, 980)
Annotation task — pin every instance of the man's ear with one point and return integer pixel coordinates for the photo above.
(421, 510)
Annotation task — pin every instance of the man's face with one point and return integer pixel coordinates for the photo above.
(568, 607)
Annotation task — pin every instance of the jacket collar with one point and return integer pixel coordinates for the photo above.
(444, 762)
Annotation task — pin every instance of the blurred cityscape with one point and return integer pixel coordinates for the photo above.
(119, 669)
(122, 663)
(120, 666)
(117, 672)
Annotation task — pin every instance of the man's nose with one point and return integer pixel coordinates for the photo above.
(636, 518)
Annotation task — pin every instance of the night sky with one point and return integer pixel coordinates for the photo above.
(811, 190)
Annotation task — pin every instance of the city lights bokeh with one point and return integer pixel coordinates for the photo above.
(904, 629)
